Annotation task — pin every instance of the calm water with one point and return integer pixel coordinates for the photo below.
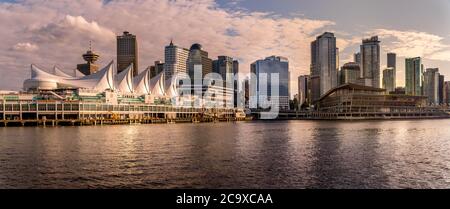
(282, 154)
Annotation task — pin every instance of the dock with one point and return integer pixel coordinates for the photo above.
(76, 113)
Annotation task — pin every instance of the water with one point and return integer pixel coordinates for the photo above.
(280, 154)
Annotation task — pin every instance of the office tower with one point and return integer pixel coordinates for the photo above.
(392, 60)
(370, 61)
(269, 65)
(357, 57)
(127, 52)
(392, 63)
(235, 66)
(431, 85)
(349, 73)
(89, 67)
(224, 66)
(324, 67)
(198, 57)
(447, 92)
(227, 68)
(389, 79)
(175, 60)
(413, 76)
(156, 69)
(236, 89)
(303, 81)
(441, 89)
(246, 92)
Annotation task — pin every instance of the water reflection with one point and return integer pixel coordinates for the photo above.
(279, 154)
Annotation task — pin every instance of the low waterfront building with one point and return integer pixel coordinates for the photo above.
(155, 90)
(357, 101)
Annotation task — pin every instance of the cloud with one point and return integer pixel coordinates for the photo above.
(70, 28)
(27, 47)
(62, 29)
(415, 43)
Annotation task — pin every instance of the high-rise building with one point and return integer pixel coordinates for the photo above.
(198, 57)
(431, 85)
(268, 66)
(156, 69)
(441, 89)
(324, 66)
(89, 67)
(127, 52)
(392, 63)
(227, 68)
(235, 66)
(303, 89)
(389, 79)
(413, 76)
(175, 60)
(370, 60)
(246, 92)
(447, 92)
(392, 60)
(236, 89)
(357, 58)
(224, 66)
(349, 73)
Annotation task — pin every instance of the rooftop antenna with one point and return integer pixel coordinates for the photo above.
(90, 45)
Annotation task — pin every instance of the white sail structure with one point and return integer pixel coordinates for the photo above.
(124, 81)
(99, 81)
(78, 74)
(59, 72)
(157, 85)
(142, 83)
(170, 88)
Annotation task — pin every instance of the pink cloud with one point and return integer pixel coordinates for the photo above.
(63, 30)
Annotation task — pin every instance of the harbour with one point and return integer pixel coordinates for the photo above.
(255, 154)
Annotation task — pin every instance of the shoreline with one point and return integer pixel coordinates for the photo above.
(60, 123)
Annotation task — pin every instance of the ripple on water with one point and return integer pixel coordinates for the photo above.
(280, 154)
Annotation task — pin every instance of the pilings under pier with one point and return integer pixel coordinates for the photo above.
(101, 122)
(55, 113)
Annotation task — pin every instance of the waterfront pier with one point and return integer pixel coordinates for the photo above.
(53, 113)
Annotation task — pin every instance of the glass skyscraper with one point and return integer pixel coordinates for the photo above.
(431, 85)
(324, 65)
(303, 88)
(273, 64)
(389, 79)
(441, 89)
(391, 60)
(413, 76)
(370, 61)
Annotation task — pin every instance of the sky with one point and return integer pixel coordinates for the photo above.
(50, 32)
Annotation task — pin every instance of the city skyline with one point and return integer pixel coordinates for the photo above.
(45, 40)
